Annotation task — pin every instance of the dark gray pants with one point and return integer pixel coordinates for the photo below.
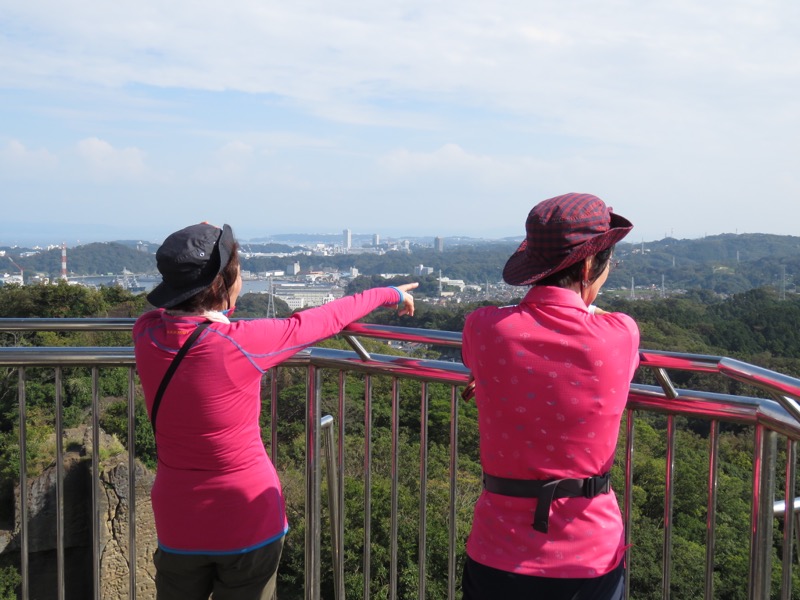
(249, 576)
(485, 583)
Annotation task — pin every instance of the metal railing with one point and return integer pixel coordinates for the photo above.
(774, 416)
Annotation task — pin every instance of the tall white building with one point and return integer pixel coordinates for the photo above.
(347, 241)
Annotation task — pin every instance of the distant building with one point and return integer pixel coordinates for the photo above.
(376, 240)
(438, 244)
(8, 279)
(423, 270)
(301, 296)
(347, 241)
(293, 269)
(446, 281)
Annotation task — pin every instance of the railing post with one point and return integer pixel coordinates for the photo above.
(95, 482)
(393, 550)
(423, 489)
(367, 485)
(451, 542)
(711, 511)
(132, 484)
(628, 516)
(764, 459)
(788, 518)
(313, 479)
(59, 427)
(668, 503)
(23, 486)
(326, 429)
(340, 591)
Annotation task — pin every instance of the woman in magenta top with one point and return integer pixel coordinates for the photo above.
(552, 376)
(217, 500)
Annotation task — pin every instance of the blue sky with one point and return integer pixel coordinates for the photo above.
(403, 118)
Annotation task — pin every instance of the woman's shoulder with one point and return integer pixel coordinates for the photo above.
(619, 321)
(491, 311)
(148, 317)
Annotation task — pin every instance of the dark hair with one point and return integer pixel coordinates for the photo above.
(218, 292)
(574, 273)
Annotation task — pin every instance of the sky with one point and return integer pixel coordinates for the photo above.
(130, 120)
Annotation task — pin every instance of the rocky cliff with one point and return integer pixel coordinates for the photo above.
(113, 502)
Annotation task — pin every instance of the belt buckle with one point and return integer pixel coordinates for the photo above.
(590, 487)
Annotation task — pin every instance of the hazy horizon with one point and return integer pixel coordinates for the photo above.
(43, 235)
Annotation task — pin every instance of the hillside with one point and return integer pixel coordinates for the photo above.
(722, 264)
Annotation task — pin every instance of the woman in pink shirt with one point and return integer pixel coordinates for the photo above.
(218, 504)
(552, 376)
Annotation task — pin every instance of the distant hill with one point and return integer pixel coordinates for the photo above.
(723, 264)
(98, 258)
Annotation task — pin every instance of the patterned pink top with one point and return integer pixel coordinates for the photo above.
(552, 381)
(216, 490)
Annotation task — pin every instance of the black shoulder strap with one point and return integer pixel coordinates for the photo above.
(171, 371)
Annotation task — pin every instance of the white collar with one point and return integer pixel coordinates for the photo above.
(212, 315)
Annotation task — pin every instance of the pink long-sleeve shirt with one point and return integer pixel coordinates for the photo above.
(552, 381)
(216, 491)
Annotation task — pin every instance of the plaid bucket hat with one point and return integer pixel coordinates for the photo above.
(560, 232)
(188, 261)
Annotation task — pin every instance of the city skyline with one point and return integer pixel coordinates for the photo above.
(120, 121)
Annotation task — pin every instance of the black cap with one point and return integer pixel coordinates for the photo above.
(188, 261)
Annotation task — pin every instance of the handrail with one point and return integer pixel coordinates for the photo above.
(776, 414)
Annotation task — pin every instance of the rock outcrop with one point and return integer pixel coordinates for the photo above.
(114, 500)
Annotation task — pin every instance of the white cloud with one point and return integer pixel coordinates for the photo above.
(18, 160)
(105, 162)
(452, 161)
(231, 161)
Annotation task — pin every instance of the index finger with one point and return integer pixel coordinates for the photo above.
(408, 286)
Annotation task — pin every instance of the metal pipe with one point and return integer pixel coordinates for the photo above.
(313, 506)
(711, 510)
(451, 541)
(132, 482)
(666, 383)
(340, 480)
(367, 565)
(59, 426)
(395, 433)
(340, 485)
(628, 514)
(326, 429)
(788, 520)
(23, 485)
(764, 456)
(95, 517)
(423, 489)
(668, 503)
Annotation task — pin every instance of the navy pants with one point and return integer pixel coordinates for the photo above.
(485, 583)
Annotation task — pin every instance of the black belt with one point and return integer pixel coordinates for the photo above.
(545, 490)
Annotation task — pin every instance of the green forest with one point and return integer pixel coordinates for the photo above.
(757, 326)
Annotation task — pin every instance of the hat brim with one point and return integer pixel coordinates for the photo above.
(165, 295)
(521, 269)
